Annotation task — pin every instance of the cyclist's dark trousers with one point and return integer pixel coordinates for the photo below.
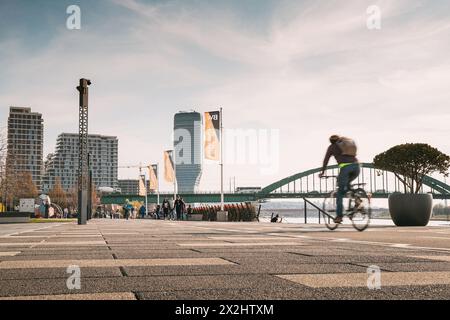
(346, 176)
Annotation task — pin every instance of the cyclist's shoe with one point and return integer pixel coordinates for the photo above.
(338, 220)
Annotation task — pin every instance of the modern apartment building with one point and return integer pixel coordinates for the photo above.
(25, 143)
(63, 163)
(131, 186)
(188, 150)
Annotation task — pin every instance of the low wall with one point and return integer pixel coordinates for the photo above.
(14, 217)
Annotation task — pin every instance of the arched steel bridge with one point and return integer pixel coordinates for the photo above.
(306, 184)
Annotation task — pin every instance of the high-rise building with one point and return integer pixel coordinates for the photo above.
(131, 186)
(25, 143)
(103, 151)
(188, 150)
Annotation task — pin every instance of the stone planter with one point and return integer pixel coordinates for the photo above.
(410, 209)
(222, 216)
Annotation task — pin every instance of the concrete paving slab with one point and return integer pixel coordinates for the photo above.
(121, 254)
(72, 243)
(82, 296)
(412, 267)
(65, 257)
(239, 244)
(434, 257)
(242, 269)
(360, 279)
(9, 253)
(110, 263)
(18, 244)
(251, 238)
(57, 273)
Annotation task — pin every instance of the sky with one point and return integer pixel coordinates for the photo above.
(292, 71)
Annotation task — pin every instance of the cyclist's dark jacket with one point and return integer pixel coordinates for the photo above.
(334, 150)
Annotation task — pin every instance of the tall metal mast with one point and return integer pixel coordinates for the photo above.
(83, 165)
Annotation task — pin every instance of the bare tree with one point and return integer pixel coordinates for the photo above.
(72, 198)
(25, 186)
(58, 195)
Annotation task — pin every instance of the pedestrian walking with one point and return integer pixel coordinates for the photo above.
(142, 211)
(166, 208)
(188, 212)
(179, 207)
(127, 209)
(157, 212)
(47, 210)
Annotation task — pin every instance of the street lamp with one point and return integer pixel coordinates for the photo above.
(146, 192)
(83, 165)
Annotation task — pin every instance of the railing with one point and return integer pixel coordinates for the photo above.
(320, 211)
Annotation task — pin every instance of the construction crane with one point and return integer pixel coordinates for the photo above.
(140, 167)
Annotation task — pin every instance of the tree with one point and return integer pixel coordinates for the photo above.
(411, 162)
(72, 198)
(95, 197)
(24, 186)
(58, 195)
(3, 146)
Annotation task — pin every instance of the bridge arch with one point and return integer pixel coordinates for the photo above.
(440, 187)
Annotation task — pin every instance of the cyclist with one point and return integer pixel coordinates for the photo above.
(344, 151)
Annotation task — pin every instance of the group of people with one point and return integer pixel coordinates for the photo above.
(129, 211)
(173, 210)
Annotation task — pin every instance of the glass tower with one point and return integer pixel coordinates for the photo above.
(188, 150)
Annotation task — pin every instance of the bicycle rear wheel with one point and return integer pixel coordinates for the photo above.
(329, 206)
(361, 210)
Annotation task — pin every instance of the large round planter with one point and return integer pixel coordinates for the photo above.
(411, 210)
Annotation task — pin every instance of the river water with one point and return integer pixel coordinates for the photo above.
(294, 212)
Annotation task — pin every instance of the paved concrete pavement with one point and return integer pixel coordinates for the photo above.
(148, 259)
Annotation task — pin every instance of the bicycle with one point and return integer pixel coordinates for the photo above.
(358, 209)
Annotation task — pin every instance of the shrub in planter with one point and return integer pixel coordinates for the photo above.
(410, 163)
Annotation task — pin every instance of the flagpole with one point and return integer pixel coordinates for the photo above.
(221, 163)
(175, 176)
(146, 194)
(157, 180)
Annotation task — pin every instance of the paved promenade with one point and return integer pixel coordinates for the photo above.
(148, 259)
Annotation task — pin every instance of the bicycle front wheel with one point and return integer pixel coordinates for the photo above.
(329, 207)
(361, 211)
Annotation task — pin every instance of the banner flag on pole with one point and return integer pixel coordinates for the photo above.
(153, 176)
(169, 173)
(212, 136)
(142, 187)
